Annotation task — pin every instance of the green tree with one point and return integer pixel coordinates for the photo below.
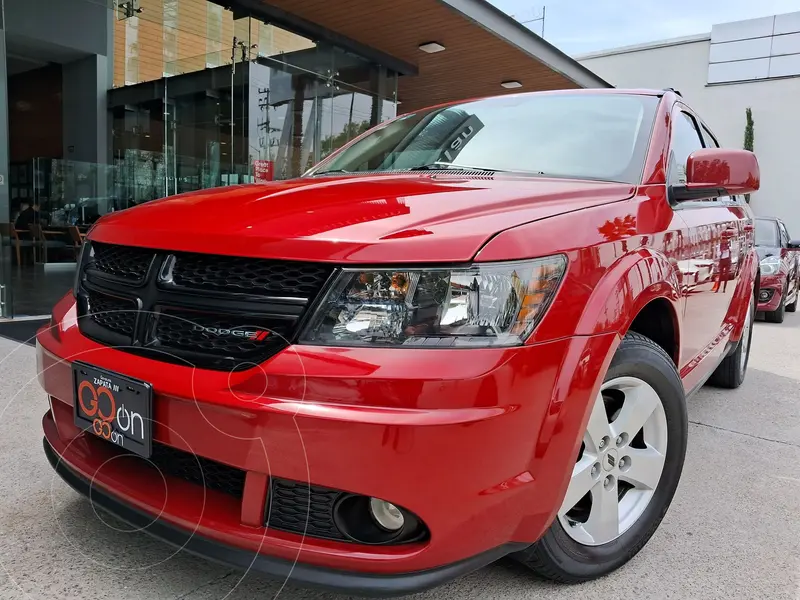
(350, 131)
(749, 136)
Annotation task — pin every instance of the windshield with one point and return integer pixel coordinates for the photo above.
(767, 233)
(584, 136)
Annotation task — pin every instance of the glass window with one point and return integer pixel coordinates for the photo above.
(132, 51)
(170, 34)
(214, 54)
(589, 136)
(709, 139)
(685, 140)
(767, 233)
(784, 234)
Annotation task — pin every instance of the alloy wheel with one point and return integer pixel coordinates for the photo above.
(619, 464)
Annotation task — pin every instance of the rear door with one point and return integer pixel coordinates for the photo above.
(715, 229)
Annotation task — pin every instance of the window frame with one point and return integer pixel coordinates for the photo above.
(784, 234)
(704, 135)
(773, 223)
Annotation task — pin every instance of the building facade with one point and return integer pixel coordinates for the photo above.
(105, 104)
(747, 64)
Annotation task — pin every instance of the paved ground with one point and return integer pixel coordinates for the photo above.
(733, 531)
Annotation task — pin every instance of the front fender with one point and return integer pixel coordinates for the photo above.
(627, 286)
(745, 289)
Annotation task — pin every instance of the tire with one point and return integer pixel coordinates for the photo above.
(793, 306)
(558, 555)
(731, 371)
(777, 315)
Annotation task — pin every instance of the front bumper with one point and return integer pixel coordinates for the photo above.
(770, 293)
(478, 443)
(308, 575)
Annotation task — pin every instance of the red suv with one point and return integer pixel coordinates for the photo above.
(469, 333)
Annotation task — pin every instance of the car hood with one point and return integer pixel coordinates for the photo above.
(765, 251)
(357, 219)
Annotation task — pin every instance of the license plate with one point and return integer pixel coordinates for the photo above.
(114, 407)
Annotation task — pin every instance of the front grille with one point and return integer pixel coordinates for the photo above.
(194, 331)
(292, 506)
(125, 262)
(198, 470)
(202, 310)
(248, 276)
(304, 509)
(112, 313)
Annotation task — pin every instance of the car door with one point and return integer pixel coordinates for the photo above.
(715, 230)
(789, 259)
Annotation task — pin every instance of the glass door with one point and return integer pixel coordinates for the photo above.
(205, 142)
(7, 244)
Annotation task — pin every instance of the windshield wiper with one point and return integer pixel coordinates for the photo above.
(331, 171)
(446, 165)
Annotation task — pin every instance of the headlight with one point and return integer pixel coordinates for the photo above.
(492, 304)
(770, 265)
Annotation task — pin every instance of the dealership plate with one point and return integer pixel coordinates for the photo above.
(114, 407)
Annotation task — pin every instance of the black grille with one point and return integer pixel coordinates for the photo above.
(122, 261)
(303, 509)
(198, 470)
(244, 336)
(248, 276)
(208, 311)
(112, 313)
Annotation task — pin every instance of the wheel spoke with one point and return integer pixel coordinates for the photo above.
(603, 522)
(580, 483)
(598, 426)
(645, 468)
(640, 402)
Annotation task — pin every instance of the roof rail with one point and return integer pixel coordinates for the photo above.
(669, 89)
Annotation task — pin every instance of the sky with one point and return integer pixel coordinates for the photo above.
(579, 26)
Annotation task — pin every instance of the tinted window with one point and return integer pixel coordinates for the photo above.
(767, 233)
(591, 136)
(685, 140)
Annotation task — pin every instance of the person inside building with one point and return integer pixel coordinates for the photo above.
(27, 214)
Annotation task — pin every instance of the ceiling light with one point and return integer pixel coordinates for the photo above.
(511, 84)
(431, 47)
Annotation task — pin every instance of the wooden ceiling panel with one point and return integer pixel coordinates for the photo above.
(473, 64)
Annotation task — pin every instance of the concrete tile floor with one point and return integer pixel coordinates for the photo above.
(733, 530)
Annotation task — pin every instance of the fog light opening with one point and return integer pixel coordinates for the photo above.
(369, 520)
(386, 515)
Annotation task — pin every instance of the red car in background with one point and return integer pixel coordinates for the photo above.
(469, 333)
(780, 277)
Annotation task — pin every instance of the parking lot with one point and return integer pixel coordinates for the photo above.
(733, 530)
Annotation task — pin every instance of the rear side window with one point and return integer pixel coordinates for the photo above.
(685, 140)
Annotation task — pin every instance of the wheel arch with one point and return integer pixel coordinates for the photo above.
(748, 285)
(640, 292)
(658, 321)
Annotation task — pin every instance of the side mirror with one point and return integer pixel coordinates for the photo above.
(714, 172)
(793, 245)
